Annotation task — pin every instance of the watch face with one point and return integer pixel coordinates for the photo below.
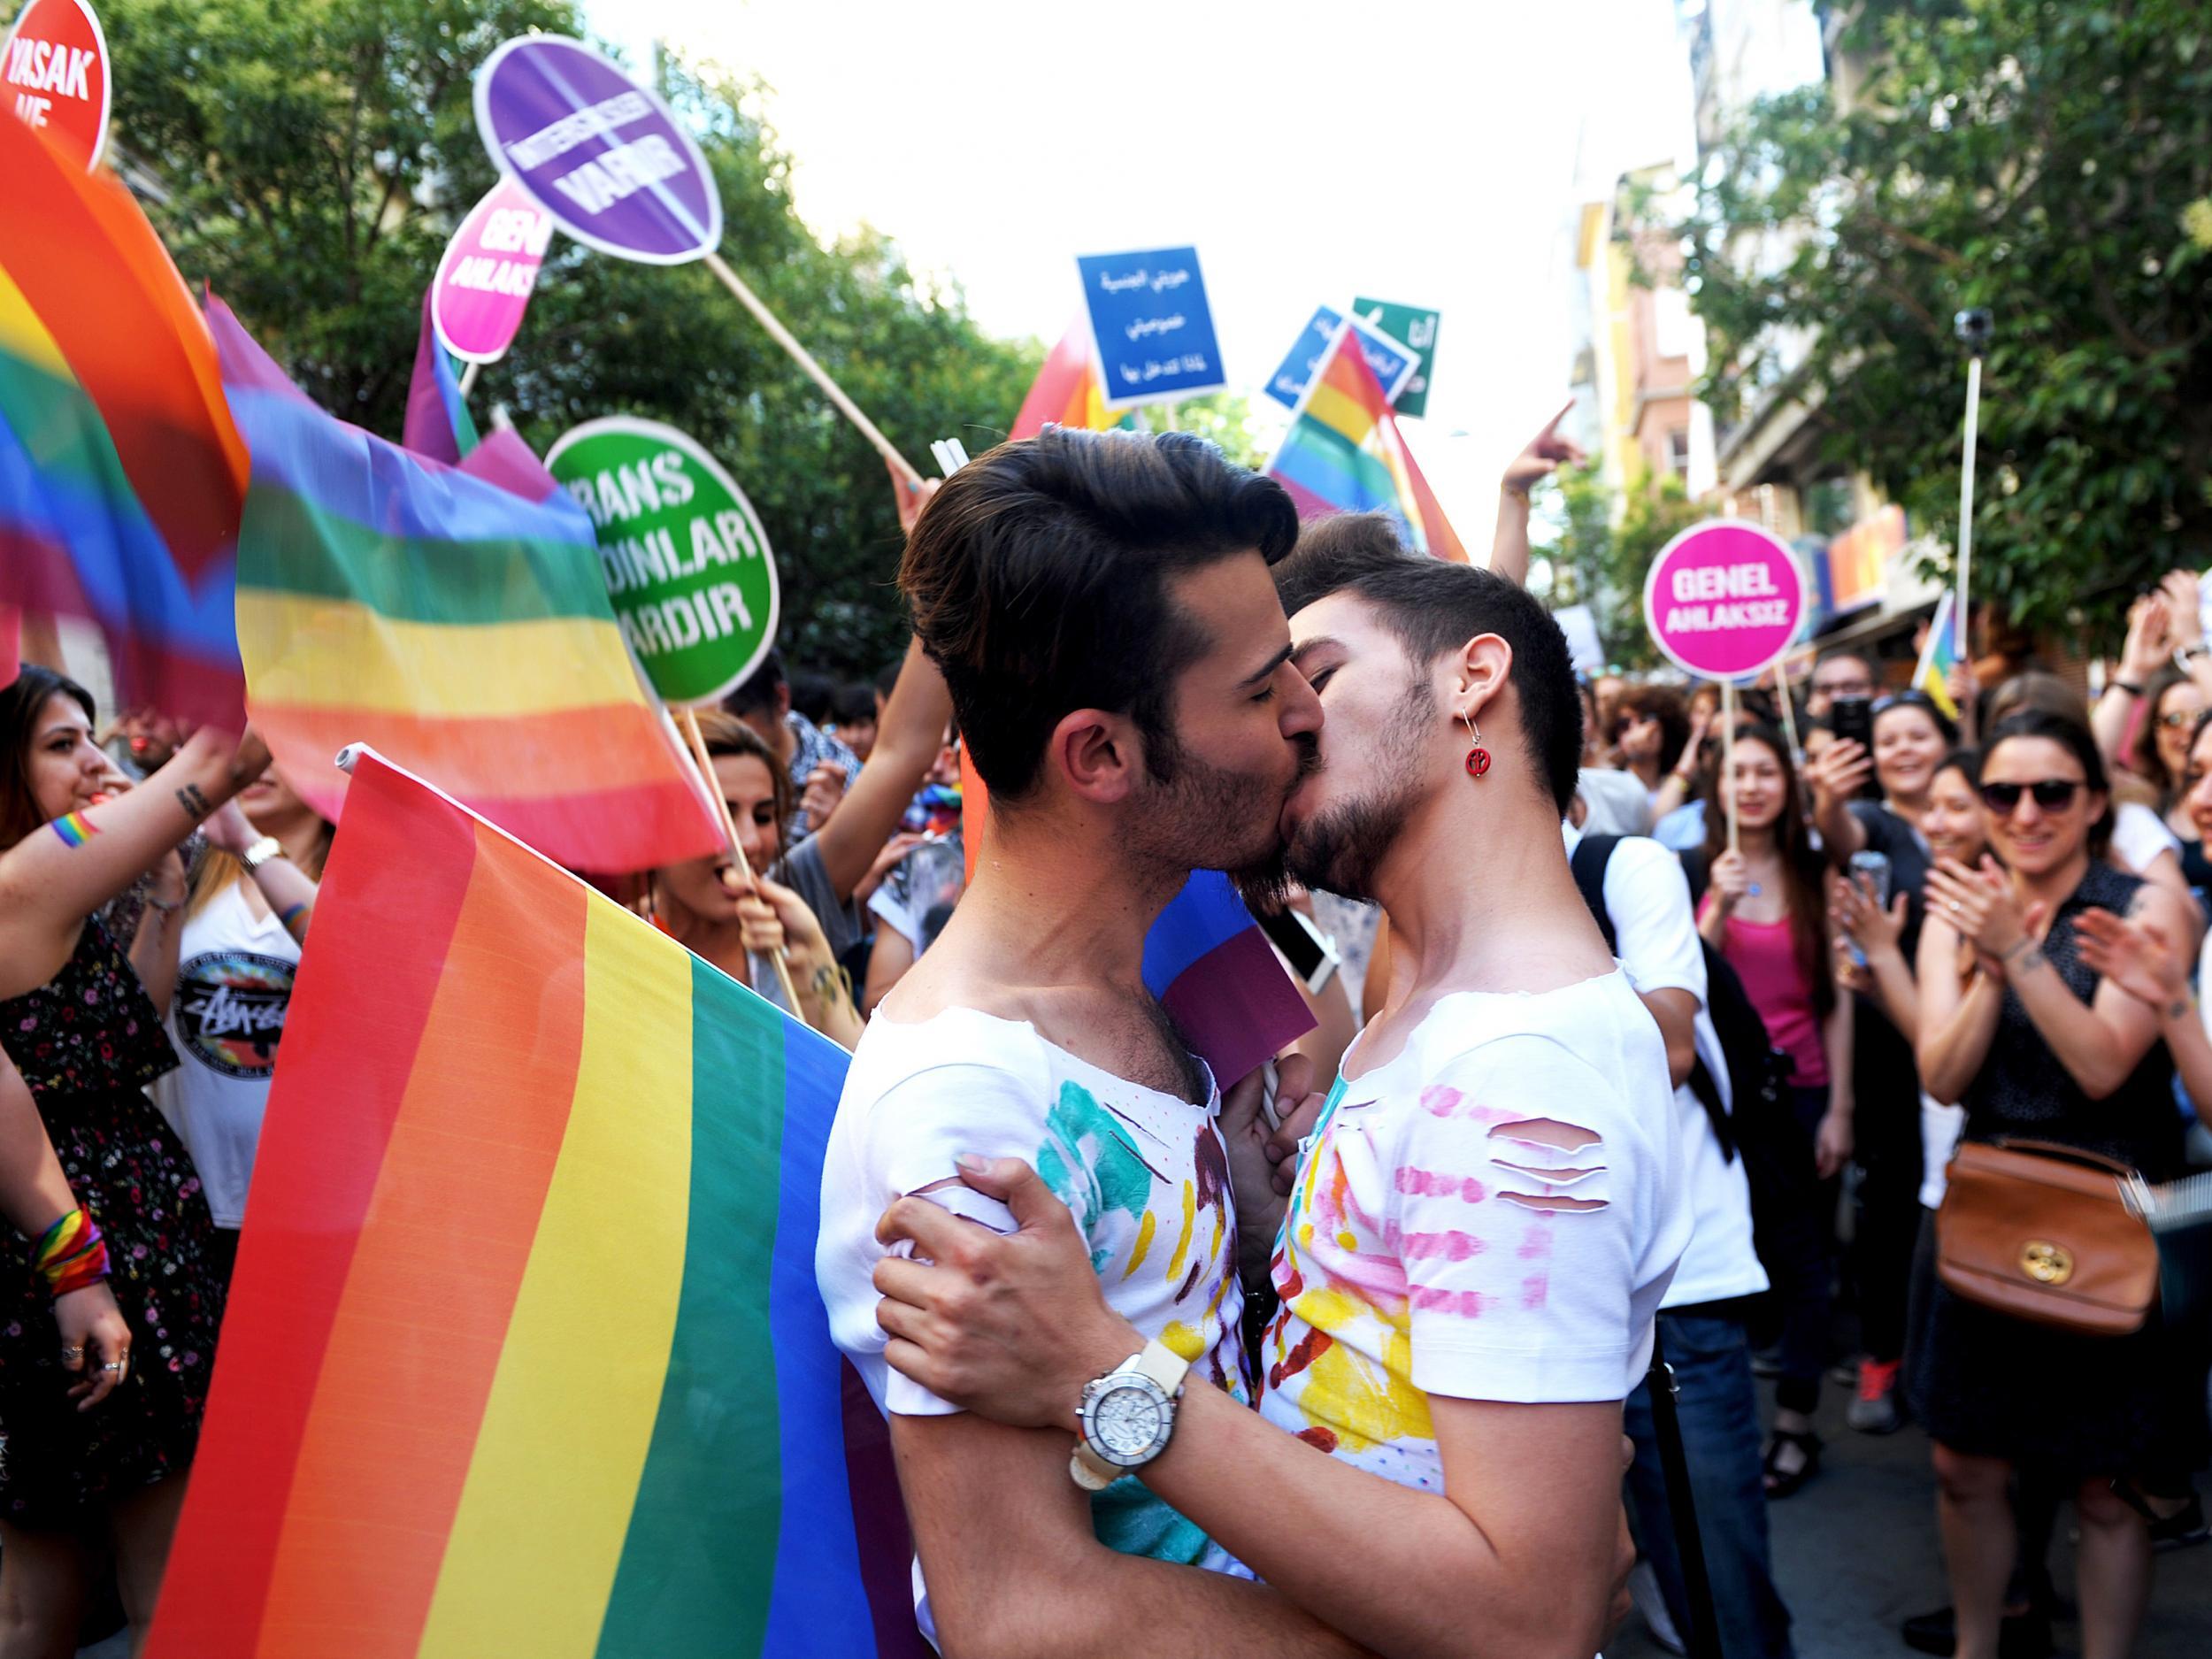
(1128, 1422)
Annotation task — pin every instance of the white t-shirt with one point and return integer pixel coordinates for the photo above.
(1490, 1215)
(1146, 1174)
(1647, 898)
(1940, 1126)
(2139, 835)
(233, 987)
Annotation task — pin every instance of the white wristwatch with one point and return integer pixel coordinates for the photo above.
(259, 854)
(1127, 1416)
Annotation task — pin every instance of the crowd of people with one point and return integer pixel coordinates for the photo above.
(1645, 1026)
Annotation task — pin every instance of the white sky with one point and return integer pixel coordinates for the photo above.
(1416, 151)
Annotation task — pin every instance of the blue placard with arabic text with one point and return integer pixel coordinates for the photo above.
(1155, 330)
(1393, 364)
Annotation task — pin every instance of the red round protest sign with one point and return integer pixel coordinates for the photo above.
(54, 74)
(1725, 599)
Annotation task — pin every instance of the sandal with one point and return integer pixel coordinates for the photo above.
(1781, 1483)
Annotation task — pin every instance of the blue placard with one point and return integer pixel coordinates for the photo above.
(1153, 329)
(1393, 363)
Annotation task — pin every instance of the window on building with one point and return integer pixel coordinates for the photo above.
(1671, 323)
(1678, 453)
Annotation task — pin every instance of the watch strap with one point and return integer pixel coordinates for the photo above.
(1091, 1471)
(1163, 1365)
(259, 854)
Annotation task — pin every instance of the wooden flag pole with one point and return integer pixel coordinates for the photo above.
(690, 721)
(1789, 714)
(804, 358)
(468, 378)
(1727, 760)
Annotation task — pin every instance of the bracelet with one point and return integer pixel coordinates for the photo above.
(285, 916)
(163, 905)
(1516, 491)
(70, 1253)
(2128, 685)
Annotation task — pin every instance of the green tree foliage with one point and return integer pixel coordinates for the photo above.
(1600, 563)
(311, 157)
(2048, 160)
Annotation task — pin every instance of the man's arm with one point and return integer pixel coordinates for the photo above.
(1521, 1560)
(1676, 1014)
(1015, 1571)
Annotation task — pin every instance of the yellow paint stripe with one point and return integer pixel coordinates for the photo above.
(546, 1507)
(1182, 1245)
(1144, 1243)
(330, 653)
(23, 336)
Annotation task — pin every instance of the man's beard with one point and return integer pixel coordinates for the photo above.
(1339, 850)
(1199, 806)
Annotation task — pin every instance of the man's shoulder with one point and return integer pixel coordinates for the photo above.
(1573, 1030)
(955, 1055)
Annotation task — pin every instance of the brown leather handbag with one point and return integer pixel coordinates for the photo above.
(2042, 1233)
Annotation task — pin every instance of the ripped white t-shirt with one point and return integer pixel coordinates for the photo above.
(1494, 1214)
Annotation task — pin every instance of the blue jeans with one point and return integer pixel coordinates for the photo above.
(1719, 1409)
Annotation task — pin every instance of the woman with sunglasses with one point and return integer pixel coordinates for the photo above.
(1911, 738)
(2033, 1042)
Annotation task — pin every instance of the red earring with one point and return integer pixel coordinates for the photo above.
(1478, 757)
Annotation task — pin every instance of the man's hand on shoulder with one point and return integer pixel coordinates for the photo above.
(1009, 1327)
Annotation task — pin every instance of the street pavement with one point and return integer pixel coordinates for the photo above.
(1856, 1552)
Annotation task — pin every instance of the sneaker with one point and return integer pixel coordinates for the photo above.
(2184, 1527)
(1651, 1602)
(1875, 1410)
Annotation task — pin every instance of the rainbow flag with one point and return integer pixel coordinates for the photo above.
(523, 1354)
(121, 474)
(454, 617)
(438, 420)
(1067, 391)
(1939, 656)
(1344, 453)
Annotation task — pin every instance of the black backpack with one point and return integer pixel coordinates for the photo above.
(1777, 1156)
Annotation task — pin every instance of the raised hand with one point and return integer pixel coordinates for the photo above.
(1543, 455)
(2135, 956)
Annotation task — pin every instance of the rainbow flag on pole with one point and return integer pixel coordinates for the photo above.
(456, 618)
(523, 1354)
(121, 474)
(1067, 391)
(1939, 656)
(1344, 453)
(438, 424)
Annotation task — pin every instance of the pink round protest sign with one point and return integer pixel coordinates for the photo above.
(486, 276)
(1725, 599)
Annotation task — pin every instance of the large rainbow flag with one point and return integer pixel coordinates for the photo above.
(1344, 453)
(523, 1354)
(121, 474)
(456, 618)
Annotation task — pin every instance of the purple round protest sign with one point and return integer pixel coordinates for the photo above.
(597, 151)
(1725, 599)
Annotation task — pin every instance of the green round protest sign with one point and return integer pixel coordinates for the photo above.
(687, 563)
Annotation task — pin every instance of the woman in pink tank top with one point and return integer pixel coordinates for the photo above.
(1766, 911)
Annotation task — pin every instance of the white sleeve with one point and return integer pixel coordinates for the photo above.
(914, 1134)
(1655, 931)
(1525, 1293)
(894, 915)
(2138, 836)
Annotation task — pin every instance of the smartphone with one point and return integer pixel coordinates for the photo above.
(1870, 869)
(1310, 953)
(1853, 717)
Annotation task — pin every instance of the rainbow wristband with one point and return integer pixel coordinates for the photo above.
(70, 1253)
(285, 916)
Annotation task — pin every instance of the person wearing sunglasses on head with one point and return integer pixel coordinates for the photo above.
(2032, 1040)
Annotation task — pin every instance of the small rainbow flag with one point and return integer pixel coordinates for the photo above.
(523, 1354)
(121, 474)
(1939, 656)
(1344, 453)
(1067, 391)
(454, 617)
(438, 420)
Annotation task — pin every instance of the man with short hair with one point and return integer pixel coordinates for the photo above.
(1838, 674)
(821, 767)
(1101, 607)
(1480, 1228)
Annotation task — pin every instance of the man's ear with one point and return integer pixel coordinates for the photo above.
(783, 702)
(1096, 754)
(1484, 665)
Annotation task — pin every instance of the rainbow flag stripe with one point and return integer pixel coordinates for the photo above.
(1344, 453)
(121, 474)
(1939, 656)
(524, 1353)
(74, 829)
(454, 618)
